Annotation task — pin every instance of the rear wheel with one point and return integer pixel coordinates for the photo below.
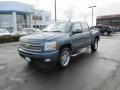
(64, 58)
(94, 46)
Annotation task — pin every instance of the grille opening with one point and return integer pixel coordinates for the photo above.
(31, 47)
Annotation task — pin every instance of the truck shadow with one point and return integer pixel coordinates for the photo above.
(50, 74)
(76, 61)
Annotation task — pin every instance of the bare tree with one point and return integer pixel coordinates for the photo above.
(69, 13)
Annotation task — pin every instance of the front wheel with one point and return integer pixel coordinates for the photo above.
(64, 58)
(106, 33)
(94, 46)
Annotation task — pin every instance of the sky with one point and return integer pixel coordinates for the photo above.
(81, 12)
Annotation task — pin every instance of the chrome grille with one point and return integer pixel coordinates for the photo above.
(31, 47)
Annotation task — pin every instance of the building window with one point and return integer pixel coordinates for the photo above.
(21, 21)
(34, 17)
(5, 22)
(40, 18)
(46, 18)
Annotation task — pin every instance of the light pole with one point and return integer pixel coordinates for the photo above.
(55, 12)
(92, 12)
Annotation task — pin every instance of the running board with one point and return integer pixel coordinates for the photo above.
(80, 51)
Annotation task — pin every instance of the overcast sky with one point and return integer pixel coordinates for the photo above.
(81, 10)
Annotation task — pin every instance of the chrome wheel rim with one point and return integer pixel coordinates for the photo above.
(65, 58)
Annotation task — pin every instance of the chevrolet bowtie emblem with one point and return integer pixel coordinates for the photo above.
(27, 44)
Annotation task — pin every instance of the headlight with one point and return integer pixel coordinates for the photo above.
(49, 46)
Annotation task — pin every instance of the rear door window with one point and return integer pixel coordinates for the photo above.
(85, 27)
(77, 27)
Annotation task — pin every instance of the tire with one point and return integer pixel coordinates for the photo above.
(64, 58)
(94, 46)
(106, 33)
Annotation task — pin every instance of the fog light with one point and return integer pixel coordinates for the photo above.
(47, 60)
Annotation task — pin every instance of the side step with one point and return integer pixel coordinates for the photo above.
(80, 51)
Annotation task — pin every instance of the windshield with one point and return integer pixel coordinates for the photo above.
(58, 27)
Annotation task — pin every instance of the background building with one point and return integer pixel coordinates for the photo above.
(109, 20)
(15, 16)
(41, 19)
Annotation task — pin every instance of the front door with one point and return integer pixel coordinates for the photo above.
(77, 37)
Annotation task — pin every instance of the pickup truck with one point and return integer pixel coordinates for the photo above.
(58, 43)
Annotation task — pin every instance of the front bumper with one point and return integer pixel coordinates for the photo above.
(43, 57)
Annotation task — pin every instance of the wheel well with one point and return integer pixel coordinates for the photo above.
(66, 45)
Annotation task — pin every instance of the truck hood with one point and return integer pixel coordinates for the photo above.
(41, 37)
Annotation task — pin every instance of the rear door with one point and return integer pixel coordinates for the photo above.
(87, 34)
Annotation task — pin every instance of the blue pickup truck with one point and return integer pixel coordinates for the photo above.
(58, 42)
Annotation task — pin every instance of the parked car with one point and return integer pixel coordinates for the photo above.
(4, 32)
(105, 30)
(58, 42)
(30, 30)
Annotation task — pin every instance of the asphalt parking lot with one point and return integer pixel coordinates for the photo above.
(98, 71)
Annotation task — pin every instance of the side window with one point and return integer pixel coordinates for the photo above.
(85, 27)
(40, 18)
(77, 27)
